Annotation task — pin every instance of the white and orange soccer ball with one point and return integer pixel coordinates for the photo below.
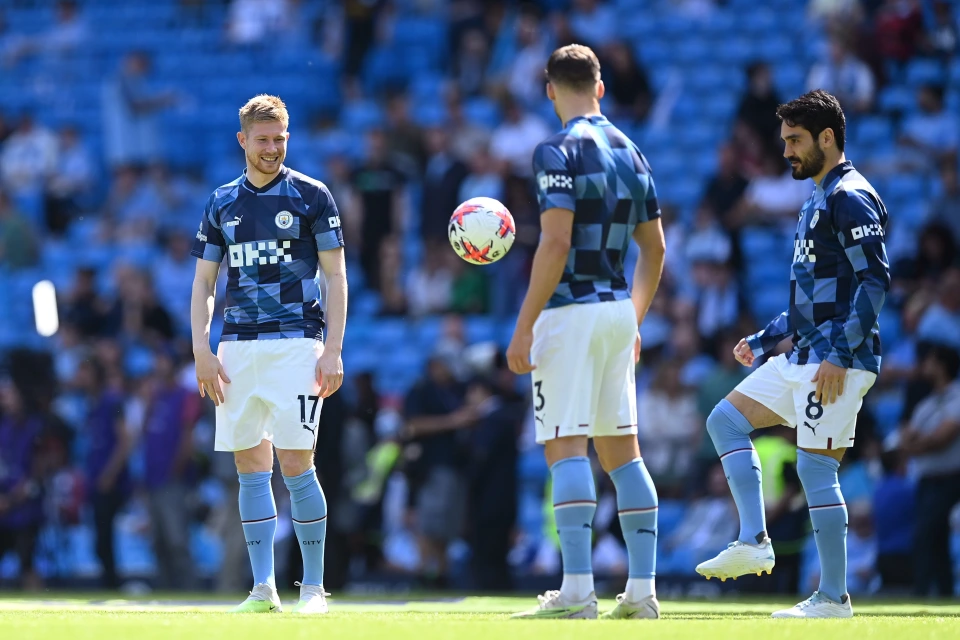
(481, 230)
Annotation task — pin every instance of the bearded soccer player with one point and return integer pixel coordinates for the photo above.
(272, 370)
(838, 282)
(577, 333)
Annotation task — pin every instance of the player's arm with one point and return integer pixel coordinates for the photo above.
(209, 247)
(766, 339)
(557, 198)
(936, 440)
(328, 236)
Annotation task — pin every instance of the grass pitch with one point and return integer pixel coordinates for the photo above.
(461, 618)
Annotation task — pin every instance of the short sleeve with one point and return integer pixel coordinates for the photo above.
(555, 188)
(326, 223)
(650, 209)
(209, 243)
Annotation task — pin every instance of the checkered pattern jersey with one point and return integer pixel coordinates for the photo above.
(839, 279)
(594, 170)
(270, 237)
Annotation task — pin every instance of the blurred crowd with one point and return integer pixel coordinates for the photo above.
(104, 440)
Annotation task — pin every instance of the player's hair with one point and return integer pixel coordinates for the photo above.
(816, 111)
(575, 67)
(947, 357)
(263, 108)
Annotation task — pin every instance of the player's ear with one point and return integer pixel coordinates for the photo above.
(551, 92)
(242, 139)
(600, 90)
(826, 138)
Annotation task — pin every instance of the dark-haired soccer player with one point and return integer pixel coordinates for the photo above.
(578, 326)
(274, 227)
(838, 283)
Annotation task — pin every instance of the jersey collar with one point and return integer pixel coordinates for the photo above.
(597, 120)
(270, 185)
(834, 175)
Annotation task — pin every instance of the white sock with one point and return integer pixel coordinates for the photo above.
(640, 588)
(577, 587)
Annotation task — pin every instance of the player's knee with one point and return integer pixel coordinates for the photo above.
(294, 462)
(616, 451)
(725, 422)
(563, 448)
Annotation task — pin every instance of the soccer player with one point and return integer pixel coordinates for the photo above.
(838, 282)
(275, 227)
(577, 332)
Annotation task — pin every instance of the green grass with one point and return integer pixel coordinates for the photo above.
(465, 619)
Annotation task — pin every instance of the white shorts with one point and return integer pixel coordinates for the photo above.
(584, 381)
(273, 394)
(786, 389)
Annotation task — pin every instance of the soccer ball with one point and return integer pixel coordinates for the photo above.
(481, 230)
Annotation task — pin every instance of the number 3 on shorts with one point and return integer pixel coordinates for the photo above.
(540, 399)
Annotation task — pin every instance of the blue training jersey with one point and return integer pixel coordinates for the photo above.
(270, 236)
(839, 279)
(594, 170)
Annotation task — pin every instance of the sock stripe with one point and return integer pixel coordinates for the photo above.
(575, 503)
(730, 453)
(256, 521)
(308, 521)
(828, 506)
(626, 512)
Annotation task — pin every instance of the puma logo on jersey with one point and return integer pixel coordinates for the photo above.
(234, 222)
(549, 180)
(867, 231)
(803, 251)
(251, 253)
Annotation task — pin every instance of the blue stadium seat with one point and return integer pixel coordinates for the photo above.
(925, 71)
(870, 129)
(896, 98)
(483, 111)
(361, 115)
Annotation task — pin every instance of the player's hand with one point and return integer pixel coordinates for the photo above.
(743, 353)
(209, 373)
(518, 353)
(829, 379)
(636, 349)
(329, 372)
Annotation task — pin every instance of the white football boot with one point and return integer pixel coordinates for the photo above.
(648, 608)
(739, 559)
(263, 599)
(552, 605)
(818, 606)
(313, 599)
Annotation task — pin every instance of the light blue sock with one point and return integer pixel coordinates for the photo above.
(730, 433)
(574, 504)
(308, 507)
(258, 512)
(828, 513)
(637, 506)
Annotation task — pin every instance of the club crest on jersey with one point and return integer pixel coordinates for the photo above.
(815, 219)
(284, 219)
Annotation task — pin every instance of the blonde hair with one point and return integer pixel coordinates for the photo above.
(263, 108)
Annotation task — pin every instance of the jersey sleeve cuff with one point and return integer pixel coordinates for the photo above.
(328, 240)
(755, 344)
(210, 252)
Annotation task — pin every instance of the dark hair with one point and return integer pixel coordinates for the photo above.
(947, 357)
(816, 111)
(935, 90)
(575, 67)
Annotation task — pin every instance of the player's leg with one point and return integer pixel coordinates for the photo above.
(825, 433)
(615, 439)
(295, 404)
(764, 399)
(240, 428)
(562, 390)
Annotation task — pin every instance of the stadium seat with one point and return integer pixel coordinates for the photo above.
(896, 99)
(925, 71)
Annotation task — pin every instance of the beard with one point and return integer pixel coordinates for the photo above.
(267, 169)
(809, 166)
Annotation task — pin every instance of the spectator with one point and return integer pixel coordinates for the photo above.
(379, 185)
(108, 450)
(758, 106)
(626, 83)
(68, 34)
(173, 278)
(390, 277)
(27, 161)
(405, 144)
(525, 81)
(130, 128)
(430, 284)
(254, 21)
(136, 312)
(466, 136)
(515, 139)
(361, 31)
(670, 429)
(845, 76)
(170, 414)
(931, 136)
(434, 409)
(18, 239)
(723, 378)
(473, 53)
(894, 516)
(21, 507)
(70, 182)
(468, 294)
(940, 323)
(946, 209)
(593, 22)
(932, 439)
(441, 185)
(727, 186)
(709, 522)
(482, 179)
(772, 198)
(942, 38)
(899, 29)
